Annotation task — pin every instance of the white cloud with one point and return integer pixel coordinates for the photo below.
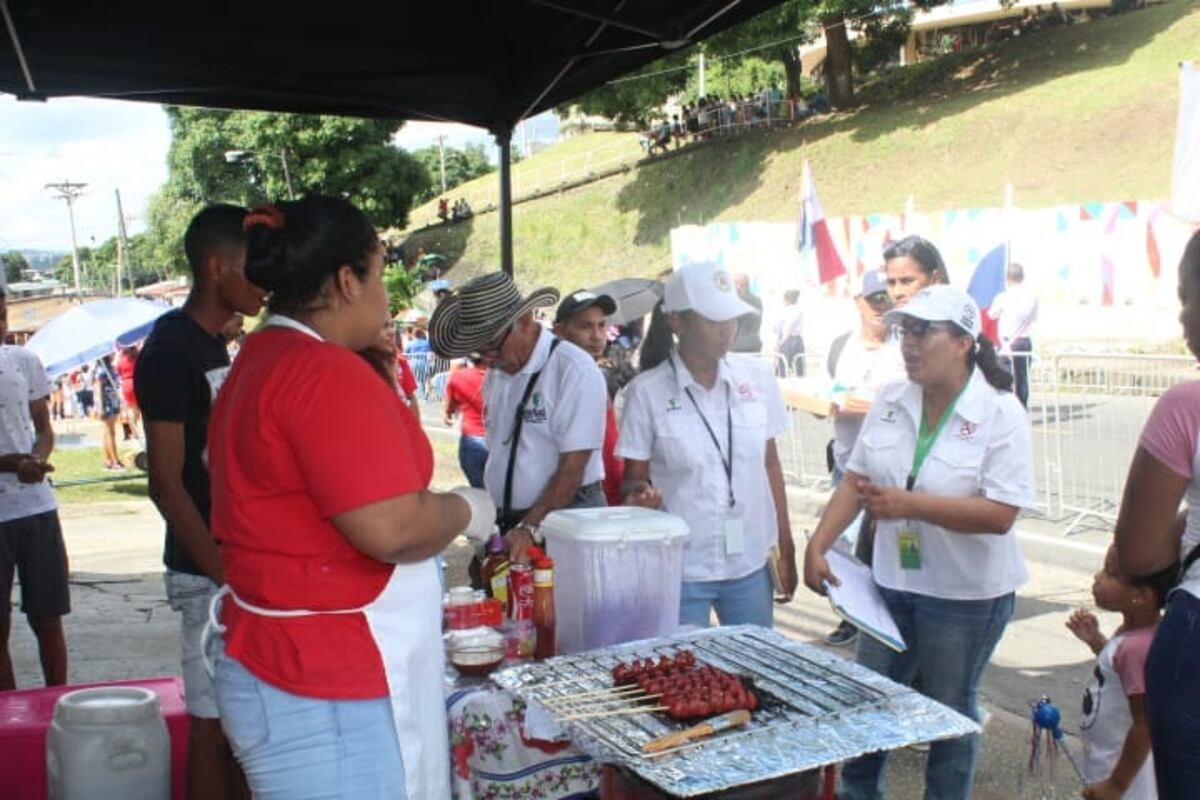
(106, 144)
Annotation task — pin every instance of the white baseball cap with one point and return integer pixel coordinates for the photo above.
(940, 303)
(706, 289)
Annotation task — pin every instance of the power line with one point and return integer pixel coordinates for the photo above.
(70, 192)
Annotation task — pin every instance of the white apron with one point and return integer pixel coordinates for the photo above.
(405, 621)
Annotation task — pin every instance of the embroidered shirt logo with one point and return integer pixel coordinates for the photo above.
(536, 412)
(889, 416)
(673, 405)
(967, 430)
(745, 391)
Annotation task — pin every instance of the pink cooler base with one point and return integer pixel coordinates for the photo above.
(25, 717)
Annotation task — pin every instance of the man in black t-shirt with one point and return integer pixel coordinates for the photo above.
(181, 367)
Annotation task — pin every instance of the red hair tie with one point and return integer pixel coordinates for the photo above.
(270, 216)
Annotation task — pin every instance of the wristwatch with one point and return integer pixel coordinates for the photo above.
(534, 532)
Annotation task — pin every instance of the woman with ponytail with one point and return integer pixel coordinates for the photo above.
(944, 464)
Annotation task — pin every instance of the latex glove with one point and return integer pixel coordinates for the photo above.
(483, 513)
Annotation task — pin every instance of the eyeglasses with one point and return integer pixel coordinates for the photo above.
(495, 345)
(919, 328)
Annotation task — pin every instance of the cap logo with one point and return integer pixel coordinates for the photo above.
(722, 280)
(968, 317)
(580, 297)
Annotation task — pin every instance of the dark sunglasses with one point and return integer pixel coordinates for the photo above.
(879, 301)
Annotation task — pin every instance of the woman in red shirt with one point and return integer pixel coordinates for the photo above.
(331, 680)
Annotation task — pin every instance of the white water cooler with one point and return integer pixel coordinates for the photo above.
(108, 743)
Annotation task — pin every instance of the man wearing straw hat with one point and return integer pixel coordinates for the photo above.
(544, 403)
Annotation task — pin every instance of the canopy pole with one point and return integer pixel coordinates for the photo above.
(504, 142)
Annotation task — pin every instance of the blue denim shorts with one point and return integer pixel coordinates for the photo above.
(303, 748)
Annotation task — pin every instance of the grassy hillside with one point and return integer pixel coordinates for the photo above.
(1079, 113)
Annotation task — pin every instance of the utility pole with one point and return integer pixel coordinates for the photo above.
(70, 192)
(442, 159)
(287, 175)
(702, 92)
(123, 251)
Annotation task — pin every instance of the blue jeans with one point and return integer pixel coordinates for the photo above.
(472, 458)
(741, 601)
(295, 748)
(949, 644)
(1173, 698)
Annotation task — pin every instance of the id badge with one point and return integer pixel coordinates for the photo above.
(909, 542)
(735, 532)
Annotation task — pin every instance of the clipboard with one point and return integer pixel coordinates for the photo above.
(859, 602)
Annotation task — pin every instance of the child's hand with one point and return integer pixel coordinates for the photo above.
(1086, 628)
(1105, 790)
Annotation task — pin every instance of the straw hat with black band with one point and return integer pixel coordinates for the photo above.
(479, 311)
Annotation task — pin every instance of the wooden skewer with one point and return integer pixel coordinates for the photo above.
(615, 690)
(615, 712)
(613, 701)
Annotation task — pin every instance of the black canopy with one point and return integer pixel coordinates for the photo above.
(489, 63)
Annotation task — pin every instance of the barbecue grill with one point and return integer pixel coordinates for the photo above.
(816, 709)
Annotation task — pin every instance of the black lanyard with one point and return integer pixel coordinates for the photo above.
(727, 463)
(514, 439)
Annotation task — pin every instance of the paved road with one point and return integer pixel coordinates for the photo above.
(122, 628)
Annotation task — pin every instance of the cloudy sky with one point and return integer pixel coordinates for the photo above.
(109, 145)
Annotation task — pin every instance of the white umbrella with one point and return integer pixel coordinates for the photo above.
(91, 331)
(635, 297)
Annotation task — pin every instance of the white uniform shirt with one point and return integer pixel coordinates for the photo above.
(984, 450)
(660, 425)
(1015, 311)
(859, 372)
(565, 413)
(22, 380)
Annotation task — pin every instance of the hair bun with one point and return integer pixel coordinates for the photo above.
(266, 256)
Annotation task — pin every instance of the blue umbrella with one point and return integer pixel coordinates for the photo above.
(92, 331)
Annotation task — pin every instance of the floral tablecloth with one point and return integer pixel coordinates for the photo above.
(493, 759)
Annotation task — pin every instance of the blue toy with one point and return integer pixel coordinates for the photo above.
(1046, 718)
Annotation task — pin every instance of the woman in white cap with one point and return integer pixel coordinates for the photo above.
(698, 438)
(944, 463)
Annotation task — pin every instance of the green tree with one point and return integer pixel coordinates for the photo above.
(637, 98)
(403, 286)
(461, 166)
(14, 263)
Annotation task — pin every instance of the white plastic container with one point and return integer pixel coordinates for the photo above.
(617, 574)
(108, 743)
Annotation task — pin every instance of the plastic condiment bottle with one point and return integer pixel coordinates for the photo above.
(495, 569)
(457, 602)
(543, 608)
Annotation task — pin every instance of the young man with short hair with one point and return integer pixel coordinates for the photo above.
(181, 368)
(582, 319)
(31, 541)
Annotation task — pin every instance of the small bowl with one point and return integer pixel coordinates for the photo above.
(476, 660)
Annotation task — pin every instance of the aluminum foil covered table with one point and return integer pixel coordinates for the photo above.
(818, 709)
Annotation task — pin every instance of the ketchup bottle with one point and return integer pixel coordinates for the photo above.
(543, 608)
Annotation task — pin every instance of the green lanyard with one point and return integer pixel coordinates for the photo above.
(925, 438)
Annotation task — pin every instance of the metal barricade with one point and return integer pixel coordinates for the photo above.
(1092, 408)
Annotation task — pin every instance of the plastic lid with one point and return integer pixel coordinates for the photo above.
(533, 553)
(495, 544)
(613, 524)
(460, 595)
(107, 705)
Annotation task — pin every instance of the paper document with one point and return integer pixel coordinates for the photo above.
(859, 602)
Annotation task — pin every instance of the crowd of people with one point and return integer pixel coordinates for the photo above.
(715, 116)
(453, 213)
(302, 556)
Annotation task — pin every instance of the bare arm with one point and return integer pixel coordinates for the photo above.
(449, 409)
(841, 510)
(787, 546)
(407, 528)
(1133, 754)
(165, 453)
(956, 514)
(559, 492)
(1147, 530)
(635, 485)
(43, 444)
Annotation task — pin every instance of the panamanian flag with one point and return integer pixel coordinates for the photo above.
(987, 282)
(813, 236)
